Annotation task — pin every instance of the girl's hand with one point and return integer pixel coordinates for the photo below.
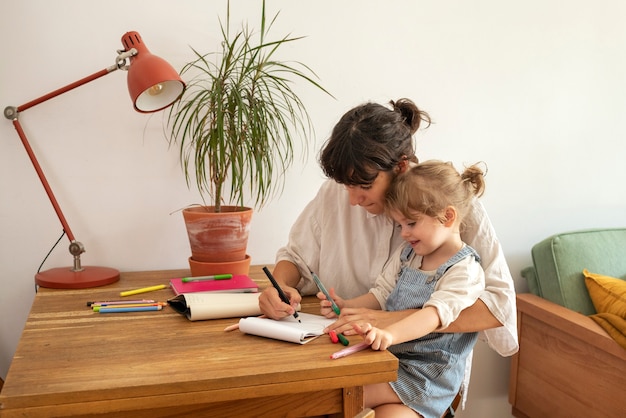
(362, 316)
(377, 338)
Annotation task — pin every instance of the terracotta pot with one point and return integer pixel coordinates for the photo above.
(199, 268)
(218, 237)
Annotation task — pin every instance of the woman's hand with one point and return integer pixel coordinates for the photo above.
(273, 307)
(362, 316)
(325, 305)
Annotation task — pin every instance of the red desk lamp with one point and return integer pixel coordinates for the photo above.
(153, 85)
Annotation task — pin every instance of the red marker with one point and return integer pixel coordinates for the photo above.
(333, 336)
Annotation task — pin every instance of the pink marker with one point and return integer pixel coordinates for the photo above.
(120, 302)
(349, 350)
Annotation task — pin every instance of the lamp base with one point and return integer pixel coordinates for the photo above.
(65, 278)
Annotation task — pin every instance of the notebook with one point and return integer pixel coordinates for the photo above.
(202, 306)
(239, 283)
(287, 329)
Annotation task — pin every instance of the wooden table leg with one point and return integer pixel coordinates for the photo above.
(352, 401)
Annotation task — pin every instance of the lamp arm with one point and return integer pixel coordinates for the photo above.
(42, 178)
(12, 113)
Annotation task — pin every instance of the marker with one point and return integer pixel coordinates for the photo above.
(203, 278)
(322, 289)
(130, 309)
(127, 305)
(281, 294)
(343, 339)
(232, 327)
(333, 336)
(143, 290)
(119, 302)
(349, 350)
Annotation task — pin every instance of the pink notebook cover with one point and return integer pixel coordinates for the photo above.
(238, 284)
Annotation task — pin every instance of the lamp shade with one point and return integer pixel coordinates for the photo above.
(153, 84)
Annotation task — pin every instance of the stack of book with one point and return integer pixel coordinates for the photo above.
(214, 297)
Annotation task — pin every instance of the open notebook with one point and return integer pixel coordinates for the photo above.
(287, 329)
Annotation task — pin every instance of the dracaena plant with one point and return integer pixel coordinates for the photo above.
(238, 121)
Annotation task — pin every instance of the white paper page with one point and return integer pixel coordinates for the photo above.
(287, 329)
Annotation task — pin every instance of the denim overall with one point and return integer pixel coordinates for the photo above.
(431, 368)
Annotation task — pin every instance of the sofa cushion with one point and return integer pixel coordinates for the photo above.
(608, 294)
(558, 262)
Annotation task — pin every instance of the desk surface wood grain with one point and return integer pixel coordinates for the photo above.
(72, 361)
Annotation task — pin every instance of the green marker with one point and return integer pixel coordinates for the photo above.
(203, 278)
(322, 289)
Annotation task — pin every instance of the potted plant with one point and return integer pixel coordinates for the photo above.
(235, 127)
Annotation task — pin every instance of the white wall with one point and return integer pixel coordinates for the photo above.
(536, 89)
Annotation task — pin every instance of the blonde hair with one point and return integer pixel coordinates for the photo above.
(432, 186)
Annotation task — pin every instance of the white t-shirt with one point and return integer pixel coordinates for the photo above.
(348, 248)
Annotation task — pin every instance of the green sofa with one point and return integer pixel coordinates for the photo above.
(567, 365)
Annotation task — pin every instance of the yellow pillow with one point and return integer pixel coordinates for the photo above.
(613, 325)
(608, 294)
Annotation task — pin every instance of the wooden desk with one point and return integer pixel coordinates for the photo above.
(73, 362)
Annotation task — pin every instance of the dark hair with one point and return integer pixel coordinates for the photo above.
(371, 138)
(432, 186)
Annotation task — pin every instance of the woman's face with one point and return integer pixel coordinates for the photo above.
(371, 197)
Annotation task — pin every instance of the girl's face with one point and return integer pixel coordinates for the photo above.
(371, 197)
(424, 233)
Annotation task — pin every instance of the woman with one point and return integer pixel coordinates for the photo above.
(344, 236)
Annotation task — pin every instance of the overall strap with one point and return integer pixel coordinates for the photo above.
(465, 251)
(407, 253)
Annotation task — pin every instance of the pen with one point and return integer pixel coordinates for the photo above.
(130, 309)
(349, 350)
(119, 302)
(322, 289)
(232, 327)
(97, 308)
(143, 290)
(282, 295)
(202, 278)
